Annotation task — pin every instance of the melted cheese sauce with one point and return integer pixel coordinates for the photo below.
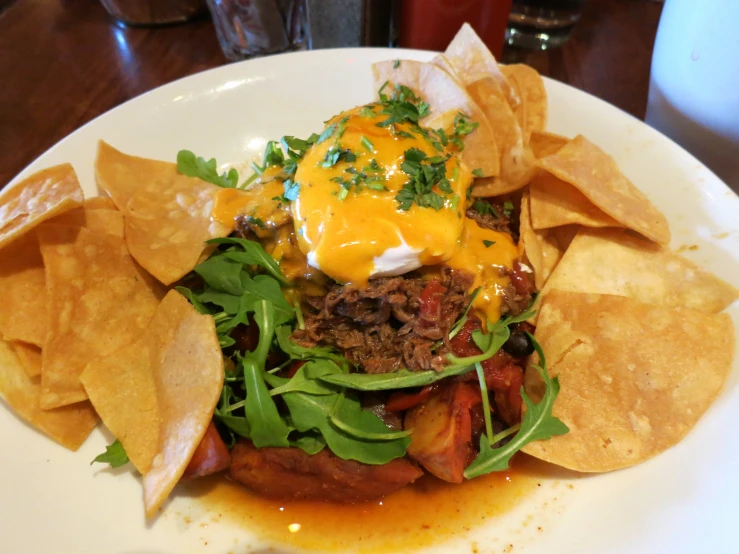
(485, 254)
(345, 237)
(420, 515)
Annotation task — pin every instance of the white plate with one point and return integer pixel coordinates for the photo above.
(683, 501)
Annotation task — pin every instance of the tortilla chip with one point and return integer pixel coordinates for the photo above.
(96, 220)
(543, 249)
(29, 356)
(188, 375)
(555, 203)
(167, 215)
(545, 144)
(470, 56)
(69, 426)
(615, 261)
(37, 198)
(99, 203)
(478, 71)
(122, 390)
(532, 113)
(445, 94)
(98, 300)
(596, 175)
(635, 378)
(22, 292)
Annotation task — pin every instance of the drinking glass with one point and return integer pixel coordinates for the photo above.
(251, 28)
(542, 24)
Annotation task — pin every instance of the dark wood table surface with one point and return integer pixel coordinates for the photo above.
(64, 62)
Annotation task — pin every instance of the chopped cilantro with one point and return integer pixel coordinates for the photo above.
(342, 127)
(425, 174)
(402, 106)
(507, 208)
(367, 111)
(328, 132)
(488, 243)
(455, 201)
(367, 144)
(396, 65)
(373, 167)
(291, 190)
(477, 172)
(336, 154)
(484, 208)
(256, 221)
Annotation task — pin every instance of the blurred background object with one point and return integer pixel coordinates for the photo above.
(154, 12)
(542, 24)
(694, 83)
(81, 64)
(432, 24)
(249, 28)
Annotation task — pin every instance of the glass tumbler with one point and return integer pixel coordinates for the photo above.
(542, 24)
(251, 28)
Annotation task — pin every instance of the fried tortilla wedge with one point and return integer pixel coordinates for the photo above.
(188, 376)
(532, 113)
(167, 215)
(469, 55)
(96, 220)
(98, 300)
(69, 426)
(446, 95)
(476, 68)
(22, 291)
(121, 387)
(543, 248)
(29, 356)
(635, 378)
(555, 203)
(595, 174)
(37, 198)
(617, 261)
(99, 203)
(545, 144)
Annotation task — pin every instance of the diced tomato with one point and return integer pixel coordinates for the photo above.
(521, 280)
(506, 383)
(211, 455)
(431, 296)
(294, 367)
(462, 343)
(400, 401)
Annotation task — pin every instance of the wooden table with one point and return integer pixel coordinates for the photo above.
(64, 62)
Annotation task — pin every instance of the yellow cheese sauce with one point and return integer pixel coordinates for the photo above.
(343, 235)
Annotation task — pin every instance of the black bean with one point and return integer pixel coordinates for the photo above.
(519, 345)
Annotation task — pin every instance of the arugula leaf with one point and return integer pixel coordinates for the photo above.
(349, 417)
(266, 426)
(310, 442)
(538, 424)
(309, 412)
(305, 379)
(195, 166)
(253, 254)
(297, 352)
(221, 273)
(114, 455)
(402, 379)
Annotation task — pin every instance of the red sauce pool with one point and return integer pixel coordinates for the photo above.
(423, 514)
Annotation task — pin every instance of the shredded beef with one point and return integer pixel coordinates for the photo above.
(379, 327)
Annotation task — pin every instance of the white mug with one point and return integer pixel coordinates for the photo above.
(694, 84)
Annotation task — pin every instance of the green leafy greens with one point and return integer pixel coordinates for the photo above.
(195, 166)
(538, 424)
(114, 455)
